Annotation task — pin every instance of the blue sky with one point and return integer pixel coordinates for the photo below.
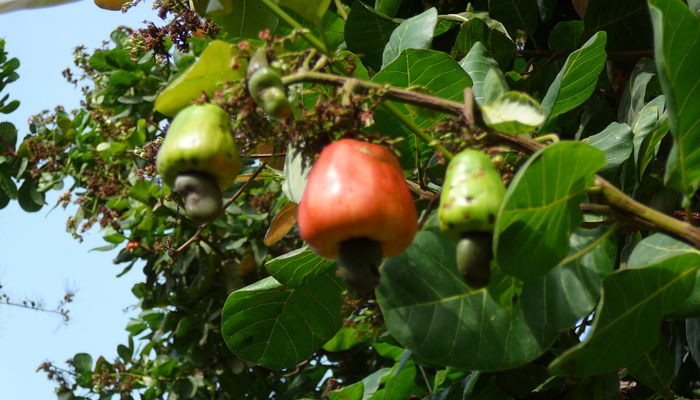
(38, 259)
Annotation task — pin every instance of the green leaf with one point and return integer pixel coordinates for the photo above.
(566, 35)
(399, 386)
(9, 107)
(208, 74)
(657, 248)
(296, 171)
(615, 141)
(367, 32)
(571, 290)
(515, 14)
(248, 18)
(312, 10)
(477, 64)
(650, 127)
(125, 352)
(632, 100)
(655, 368)
(352, 392)
(626, 23)
(4, 199)
(430, 310)
(546, 8)
(8, 186)
(598, 387)
(431, 70)
(692, 332)
(676, 57)
(513, 113)
(298, 267)
(83, 363)
(29, 198)
(387, 7)
(9, 133)
(413, 33)
(541, 208)
(14, 5)
(275, 326)
(491, 34)
(626, 325)
(577, 79)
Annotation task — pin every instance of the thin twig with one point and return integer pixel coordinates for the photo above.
(228, 203)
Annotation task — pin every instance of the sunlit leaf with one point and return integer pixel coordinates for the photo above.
(413, 33)
(542, 208)
(655, 368)
(513, 113)
(283, 222)
(207, 75)
(298, 267)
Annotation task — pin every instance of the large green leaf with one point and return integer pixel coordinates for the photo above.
(208, 74)
(413, 33)
(275, 326)
(332, 24)
(650, 127)
(431, 311)
(248, 18)
(513, 113)
(297, 268)
(542, 208)
(676, 59)
(625, 21)
(566, 35)
(571, 290)
(516, 14)
(627, 322)
(431, 70)
(477, 64)
(367, 32)
(577, 79)
(655, 368)
(659, 247)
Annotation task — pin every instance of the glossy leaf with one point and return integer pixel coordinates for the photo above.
(431, 311)
(676, 58)
(413, 33)
(275, 326)
(516, 14)
(541, 208)
(577, 79)
(625, 21)
(298, 267)
(655, 368)
(296, 171)
(477, 64)
(283, 222)
(615, 141)
(659, 247)
(387, 7)
(367, 32)
(570, 291)
(513, 113)
(208, 74)
(650, 127)
(627, 322)
(431, 70)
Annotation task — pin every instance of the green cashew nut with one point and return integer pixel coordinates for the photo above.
(199, 143)
(266, 88)
(469, 203)
(202, 196)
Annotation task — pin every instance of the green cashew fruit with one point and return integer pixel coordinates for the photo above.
(471, 195)
(469, 203)
(474, 254)
(199, 142)
(202, 196)
(266, 88)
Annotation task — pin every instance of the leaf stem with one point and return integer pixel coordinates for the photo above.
(313, 40)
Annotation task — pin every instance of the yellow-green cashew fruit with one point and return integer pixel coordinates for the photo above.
(266, 88)
(469, 203)
(198, 158)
